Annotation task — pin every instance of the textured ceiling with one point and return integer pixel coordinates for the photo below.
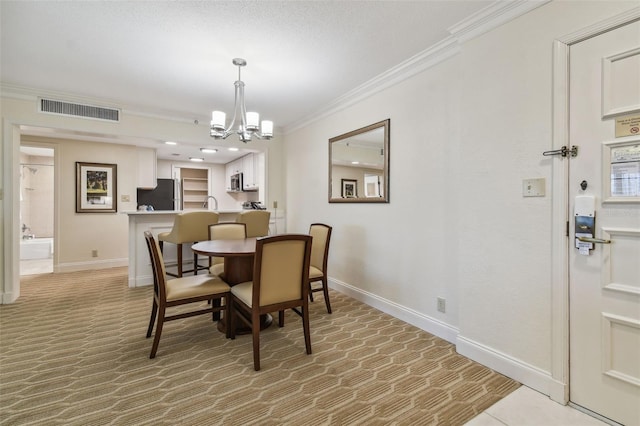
(174, 57)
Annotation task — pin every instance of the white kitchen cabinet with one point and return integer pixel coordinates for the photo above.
(248, 173)
(232, 168)
(260, 168)
(147, 168)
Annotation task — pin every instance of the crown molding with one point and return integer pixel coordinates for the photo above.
(414, 65)
(598, 28)
(491, 17)
(485, 20)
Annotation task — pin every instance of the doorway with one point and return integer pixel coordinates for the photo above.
(604, 210)
(36, 209)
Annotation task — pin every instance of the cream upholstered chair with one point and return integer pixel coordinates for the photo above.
(180, 291)
(224, 231)
(188, 228)
(280, 281)
(257, 222)
(321, 234)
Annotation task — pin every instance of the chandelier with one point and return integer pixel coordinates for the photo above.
(248, 125)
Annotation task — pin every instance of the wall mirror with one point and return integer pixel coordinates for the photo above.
(359, 165)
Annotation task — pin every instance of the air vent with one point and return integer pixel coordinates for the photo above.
(79, 110)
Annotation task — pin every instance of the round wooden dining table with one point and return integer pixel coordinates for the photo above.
(238, 268)
(238, 257)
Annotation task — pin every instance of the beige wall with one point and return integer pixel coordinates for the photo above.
(79, 234)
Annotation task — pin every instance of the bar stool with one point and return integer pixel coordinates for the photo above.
(257, 222)
(188, 228)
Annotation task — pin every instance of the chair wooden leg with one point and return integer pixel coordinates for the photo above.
(227, 315)
(152, 320)
(306, 329)
(179, 260)
(216, 303)
(231, 319)
(195, 263)
(310, 292)
(325, 289)
(156, 338)
(280, 318)
(255, 328)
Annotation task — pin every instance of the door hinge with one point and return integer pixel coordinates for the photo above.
(564, 151)
(567, 230)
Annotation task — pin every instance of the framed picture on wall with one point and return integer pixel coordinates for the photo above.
(349, 188)
(96, 190)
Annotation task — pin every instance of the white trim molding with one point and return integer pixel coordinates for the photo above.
(514, 368)
(408, 315)
(492, 16)
(496, 14)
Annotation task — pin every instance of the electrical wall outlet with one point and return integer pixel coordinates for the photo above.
(442, 304)
(94, 253)
(125, 198)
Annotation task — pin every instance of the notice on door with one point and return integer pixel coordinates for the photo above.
(628, 126)
(625, 171)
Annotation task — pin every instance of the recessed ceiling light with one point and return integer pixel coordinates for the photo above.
(208, 150)
(198, 159)
(171, 143)
(234, 149)
(355, 162)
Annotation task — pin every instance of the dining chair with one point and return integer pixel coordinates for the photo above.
(257, 222)
(224, 231)
(180, 291)
(280, 281)
(321, 234)
(188, 227)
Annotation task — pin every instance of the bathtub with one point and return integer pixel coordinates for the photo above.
(37, 248)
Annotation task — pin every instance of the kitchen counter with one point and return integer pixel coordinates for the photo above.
(140, 273)
(172, 212)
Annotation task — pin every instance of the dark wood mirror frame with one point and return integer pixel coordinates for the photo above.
(362, 156)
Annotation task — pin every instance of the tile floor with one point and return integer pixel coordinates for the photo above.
(526, 407)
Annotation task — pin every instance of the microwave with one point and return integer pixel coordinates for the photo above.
(236, 182)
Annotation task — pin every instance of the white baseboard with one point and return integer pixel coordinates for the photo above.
(90, 266)
(423, 322)
(513, 368)
(528, 375)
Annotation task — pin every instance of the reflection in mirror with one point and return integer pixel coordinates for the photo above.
(359, 165)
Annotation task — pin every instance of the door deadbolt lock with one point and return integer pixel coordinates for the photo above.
(583, 185)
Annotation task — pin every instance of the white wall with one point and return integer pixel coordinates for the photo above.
(464, 134)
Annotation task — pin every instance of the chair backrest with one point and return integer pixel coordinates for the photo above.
(226, 231)
(257, 222)
(281, 268)
(321, 234)
(157, 265)
(191, 227)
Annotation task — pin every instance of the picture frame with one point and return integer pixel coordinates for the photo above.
(349, 188)
(96, 188)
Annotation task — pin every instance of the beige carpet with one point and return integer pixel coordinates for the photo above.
(73, 352)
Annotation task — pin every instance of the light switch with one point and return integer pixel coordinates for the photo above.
(125, 199)
(533, 187)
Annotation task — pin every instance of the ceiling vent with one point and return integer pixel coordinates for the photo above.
(79, 110)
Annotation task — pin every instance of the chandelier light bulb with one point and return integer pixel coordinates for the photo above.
(249, 121)
(267, 128)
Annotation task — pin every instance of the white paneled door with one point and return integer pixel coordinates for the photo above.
(604, 206)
